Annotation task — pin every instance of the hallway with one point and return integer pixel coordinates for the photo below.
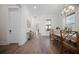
(17, 21)
(37, 45)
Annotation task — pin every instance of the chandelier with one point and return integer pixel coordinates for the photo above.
(68, 9)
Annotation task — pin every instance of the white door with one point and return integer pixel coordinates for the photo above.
(13, 25)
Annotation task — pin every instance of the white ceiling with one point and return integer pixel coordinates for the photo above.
(45, 9)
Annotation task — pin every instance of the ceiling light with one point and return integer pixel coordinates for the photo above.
(35, 7)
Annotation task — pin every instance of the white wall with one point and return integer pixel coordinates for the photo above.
(25, 15)
(57, 21)
(20, 24)
(3, 24)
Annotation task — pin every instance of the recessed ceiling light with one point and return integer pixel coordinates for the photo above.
(35, 7)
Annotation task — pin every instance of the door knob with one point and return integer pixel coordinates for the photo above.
(10, 30)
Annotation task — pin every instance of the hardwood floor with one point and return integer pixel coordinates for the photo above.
(38, 45)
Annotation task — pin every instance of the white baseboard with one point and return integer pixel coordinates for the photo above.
(22, 43)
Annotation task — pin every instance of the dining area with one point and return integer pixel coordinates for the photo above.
(66, 41)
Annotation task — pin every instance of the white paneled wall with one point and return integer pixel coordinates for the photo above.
(3, 24)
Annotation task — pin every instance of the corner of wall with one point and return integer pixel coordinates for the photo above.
(22, 42)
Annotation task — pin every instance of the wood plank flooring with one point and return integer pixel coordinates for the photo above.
(38, 45)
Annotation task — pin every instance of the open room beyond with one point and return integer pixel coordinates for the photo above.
(39, 28)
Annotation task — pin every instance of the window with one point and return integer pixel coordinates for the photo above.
(48, 24)
(70, 19)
